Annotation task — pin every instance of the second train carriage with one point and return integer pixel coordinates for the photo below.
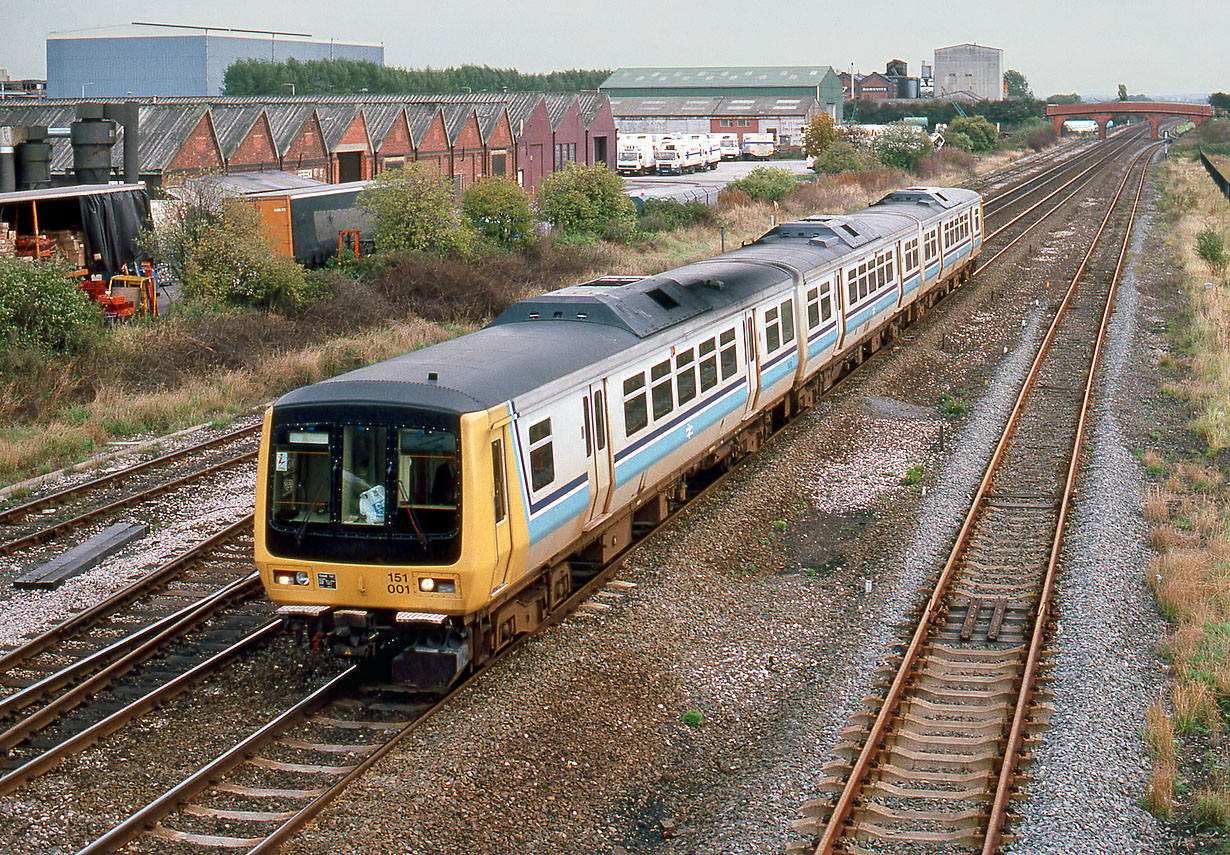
(431, 506)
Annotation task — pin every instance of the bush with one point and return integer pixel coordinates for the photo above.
(213, 245)
(838, 157)
(819, 134)
(587, 202)
(41, 309)
(1041, 138)
(413, 209)
(766, 183)
(982, 134)
(500, 210)
(1212, 248)
(956, 139)
(665, 215)
(902, 146)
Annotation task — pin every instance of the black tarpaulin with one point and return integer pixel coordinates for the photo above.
(112, 222)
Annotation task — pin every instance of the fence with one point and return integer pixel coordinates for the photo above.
(1222, 184)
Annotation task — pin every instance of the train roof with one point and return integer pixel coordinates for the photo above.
(472, 372)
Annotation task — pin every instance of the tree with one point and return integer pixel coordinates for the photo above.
(42, 309)
(413, 209)
(902, 146)
(819, 134)
(1016, 85)
(587, 202)
(1064, 99)
(1220, 100)
(500, 210)
(1123, 93)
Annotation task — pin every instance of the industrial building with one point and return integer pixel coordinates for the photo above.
(785, 118)
(969, 72)
(337, 139)
(802, 83)
(144, 61)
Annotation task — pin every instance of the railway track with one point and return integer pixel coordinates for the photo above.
(28, 536)
(104, 668)
(330, 737)
(931, 764)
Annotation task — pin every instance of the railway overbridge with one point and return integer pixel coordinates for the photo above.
(1153, 112)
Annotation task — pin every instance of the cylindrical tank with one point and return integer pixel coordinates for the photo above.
(34, 160)
(92, 140)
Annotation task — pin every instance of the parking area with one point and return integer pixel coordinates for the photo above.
(703, 185)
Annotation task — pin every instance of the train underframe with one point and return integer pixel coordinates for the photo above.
(430, 652)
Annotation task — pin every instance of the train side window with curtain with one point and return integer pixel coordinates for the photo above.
(542, 456)
(636, 410)
(788, 321)
(730, 355)
(708, 365)
(663, 397)
(685, 376)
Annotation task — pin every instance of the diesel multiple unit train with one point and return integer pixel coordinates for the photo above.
(433, 507)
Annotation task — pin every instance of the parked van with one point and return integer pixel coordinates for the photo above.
(636, 156)
(729, 146)
(711, 152)
(757, 146)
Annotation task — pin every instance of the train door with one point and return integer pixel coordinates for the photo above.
(597, 451)
(751, 352)
(503, 525)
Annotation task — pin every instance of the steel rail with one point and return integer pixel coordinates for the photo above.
(79, 742)
(1016, 735)
(115, 661)
(58, 497)
(51, 531)
(876, 735)
(130, 593)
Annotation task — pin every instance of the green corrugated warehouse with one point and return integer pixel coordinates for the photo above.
(801, 81)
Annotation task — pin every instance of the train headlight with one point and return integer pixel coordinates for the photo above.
(302, 578)
(291, 577)
(428, 585)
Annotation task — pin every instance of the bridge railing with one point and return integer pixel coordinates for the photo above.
(1220, 180)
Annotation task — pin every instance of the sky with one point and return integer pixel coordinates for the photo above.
(1086, 46)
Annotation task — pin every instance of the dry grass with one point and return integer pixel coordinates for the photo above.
(1212, 807)
(1159, 791)
(1195, 708)
(1159, 735)
(1157, 505)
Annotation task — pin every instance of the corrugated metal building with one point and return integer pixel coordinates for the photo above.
(969, 72)
(817, 82)
(785, 118)
(114, 62)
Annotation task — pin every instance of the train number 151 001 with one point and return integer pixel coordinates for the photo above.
(399, 583)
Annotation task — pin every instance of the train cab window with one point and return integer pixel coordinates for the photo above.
(542, 457)
(772, 334)
(788, 321)
(663, 398)
(302, 473)
(497, 473)
(427, 481)
(708, 365)
(363, 475)
(813, 308)
(636, 410)
(685, 376)
(729, 354)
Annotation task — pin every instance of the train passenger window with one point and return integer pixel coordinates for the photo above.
(542, 457)
(708, 365)
(826, 302)
(813, 308)
(685, 376)
(586, 433)
(730, 356)
(788, 321)
(363, 475)
(772, 335)
(852, 284)
(636, 410)
(663, 399)
(497, 472)
(889, 269)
